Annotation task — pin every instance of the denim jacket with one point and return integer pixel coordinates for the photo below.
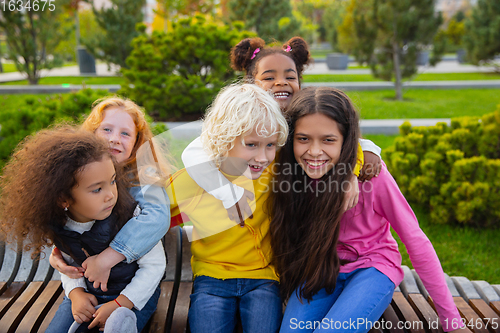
(141, 233)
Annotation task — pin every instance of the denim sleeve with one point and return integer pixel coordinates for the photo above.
(140, 234)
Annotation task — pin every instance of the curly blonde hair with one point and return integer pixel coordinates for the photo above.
(144, 135)
(237, 110)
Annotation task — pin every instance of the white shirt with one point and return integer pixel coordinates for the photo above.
(151, 269)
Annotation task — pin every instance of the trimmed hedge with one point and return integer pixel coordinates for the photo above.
(452, 170)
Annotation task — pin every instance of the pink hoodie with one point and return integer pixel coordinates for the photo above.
(367, 229)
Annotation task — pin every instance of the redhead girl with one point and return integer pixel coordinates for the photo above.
(122, 123)
(335, 266)
(62, 187)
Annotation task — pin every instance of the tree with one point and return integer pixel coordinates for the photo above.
(119, 25)
(389, 34)
(32, 37)
(271, 19)
(332, 18)
(482, 33)
(88, 30)
(168, 10)
(177, 73)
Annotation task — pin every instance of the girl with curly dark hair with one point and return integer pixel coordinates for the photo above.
(63, 187)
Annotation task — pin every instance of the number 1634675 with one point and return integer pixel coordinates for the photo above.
(29, 5)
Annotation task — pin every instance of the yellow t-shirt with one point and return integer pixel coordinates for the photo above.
(223, 249)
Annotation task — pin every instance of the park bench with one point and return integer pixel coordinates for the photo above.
(28, 304)
(31, 290)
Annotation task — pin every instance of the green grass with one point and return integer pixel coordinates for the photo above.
(462, 250)
(424, 103)
(381, 140)
(421, 77)
(9, 68)
(320, 53)
(418, 103)
(58, 80)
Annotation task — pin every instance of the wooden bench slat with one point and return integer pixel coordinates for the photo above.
(391, 316)
(496, 307)
(158, 321)
(405, 310)
(179, 321)
(48, 318)
(426, 313)
(10, 295)
(40, 308)
(468, 314)
(487, 314)
(20, 307)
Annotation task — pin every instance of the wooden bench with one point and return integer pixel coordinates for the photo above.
(30, 297)
(29, 304)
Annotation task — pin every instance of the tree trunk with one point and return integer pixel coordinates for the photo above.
(398, 85)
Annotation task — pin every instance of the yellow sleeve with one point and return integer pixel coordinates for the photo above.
(359, 162)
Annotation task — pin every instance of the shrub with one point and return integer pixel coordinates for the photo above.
(38, 113)
(177, 73)
(453, 170)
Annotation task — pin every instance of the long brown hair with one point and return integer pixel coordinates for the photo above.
(305, 223)
(41, 174)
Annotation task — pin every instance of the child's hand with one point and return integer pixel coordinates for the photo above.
(371, 167)
(56, 260)
(102, 314)
(241, 210)
(352, 194)
(97, 267)
(82, 305)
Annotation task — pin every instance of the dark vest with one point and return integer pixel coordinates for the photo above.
(93, 242)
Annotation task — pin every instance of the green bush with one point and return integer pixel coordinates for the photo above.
(453, 170)
(178, 73)
(38, 113)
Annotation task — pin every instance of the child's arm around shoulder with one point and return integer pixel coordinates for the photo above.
(136, 237)
(204, 172)
(140, 234)
(372, 160)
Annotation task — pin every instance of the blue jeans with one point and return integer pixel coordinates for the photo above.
(359, 298)
(215, 304)
(64, 317)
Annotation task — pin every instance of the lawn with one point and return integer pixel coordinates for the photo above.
(58, 80)
(9, 68)
(424, 103)
(419, 103)
(462, 250)
(420, 77)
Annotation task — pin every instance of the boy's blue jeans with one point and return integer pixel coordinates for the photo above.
(64, 318)
(360, 297)
(215, 304)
